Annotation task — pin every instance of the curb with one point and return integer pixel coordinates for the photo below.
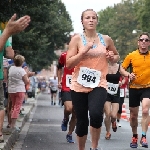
(10, 140)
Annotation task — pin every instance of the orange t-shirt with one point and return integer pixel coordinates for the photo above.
(140, 65)
(94, 59)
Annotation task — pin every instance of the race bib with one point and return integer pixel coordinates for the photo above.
(121, 92)
(53, 88)
(89, 77)
(112, 88)
(68, 80)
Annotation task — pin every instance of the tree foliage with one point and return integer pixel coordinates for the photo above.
(119, 21)
(145, 16)
(49, 29)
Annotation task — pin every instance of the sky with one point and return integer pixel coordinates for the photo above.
(76, 7)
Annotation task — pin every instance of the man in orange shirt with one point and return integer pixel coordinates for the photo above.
(139, 88)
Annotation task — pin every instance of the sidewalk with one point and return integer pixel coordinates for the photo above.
(9, 140)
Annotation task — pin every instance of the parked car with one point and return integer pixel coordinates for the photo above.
(32, 87)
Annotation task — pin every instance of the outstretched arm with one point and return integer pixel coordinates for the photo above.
(59, 75)
(13, 26)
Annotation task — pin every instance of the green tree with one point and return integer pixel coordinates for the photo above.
(118, 22)
(145, 17)
(48, 30)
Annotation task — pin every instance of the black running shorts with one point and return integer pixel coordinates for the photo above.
(65, 96)
(137, 95)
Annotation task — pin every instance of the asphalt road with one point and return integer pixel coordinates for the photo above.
(44, 132)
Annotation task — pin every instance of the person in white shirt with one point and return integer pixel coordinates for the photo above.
(17, 80)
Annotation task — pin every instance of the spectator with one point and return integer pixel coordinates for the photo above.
(9, 104)
(13, 26)
(3, 81)
(17, 80)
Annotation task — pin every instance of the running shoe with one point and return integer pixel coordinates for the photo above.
(93, 149)
(69, 139)
(134, 144)
(114, 126)
(143, 142)
(64, 125)
(108, 136)
(119, 125)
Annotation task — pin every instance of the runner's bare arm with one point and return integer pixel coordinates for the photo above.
(126, 74)
(59, 75)
(112, 53)
(74, 55)
(123, 72)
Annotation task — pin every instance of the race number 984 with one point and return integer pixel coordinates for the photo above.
(88, 78)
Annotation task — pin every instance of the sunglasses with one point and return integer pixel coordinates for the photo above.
(146, 40)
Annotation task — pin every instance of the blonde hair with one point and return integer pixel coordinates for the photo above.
(86, 11)
(18, 60)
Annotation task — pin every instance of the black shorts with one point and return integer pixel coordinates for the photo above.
(94, 102)
(53, 91)
(137, 95)
(65, 96)
(113, 98)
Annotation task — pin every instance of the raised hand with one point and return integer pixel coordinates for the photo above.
(109, 55)
(15, 26)
(88, 46)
